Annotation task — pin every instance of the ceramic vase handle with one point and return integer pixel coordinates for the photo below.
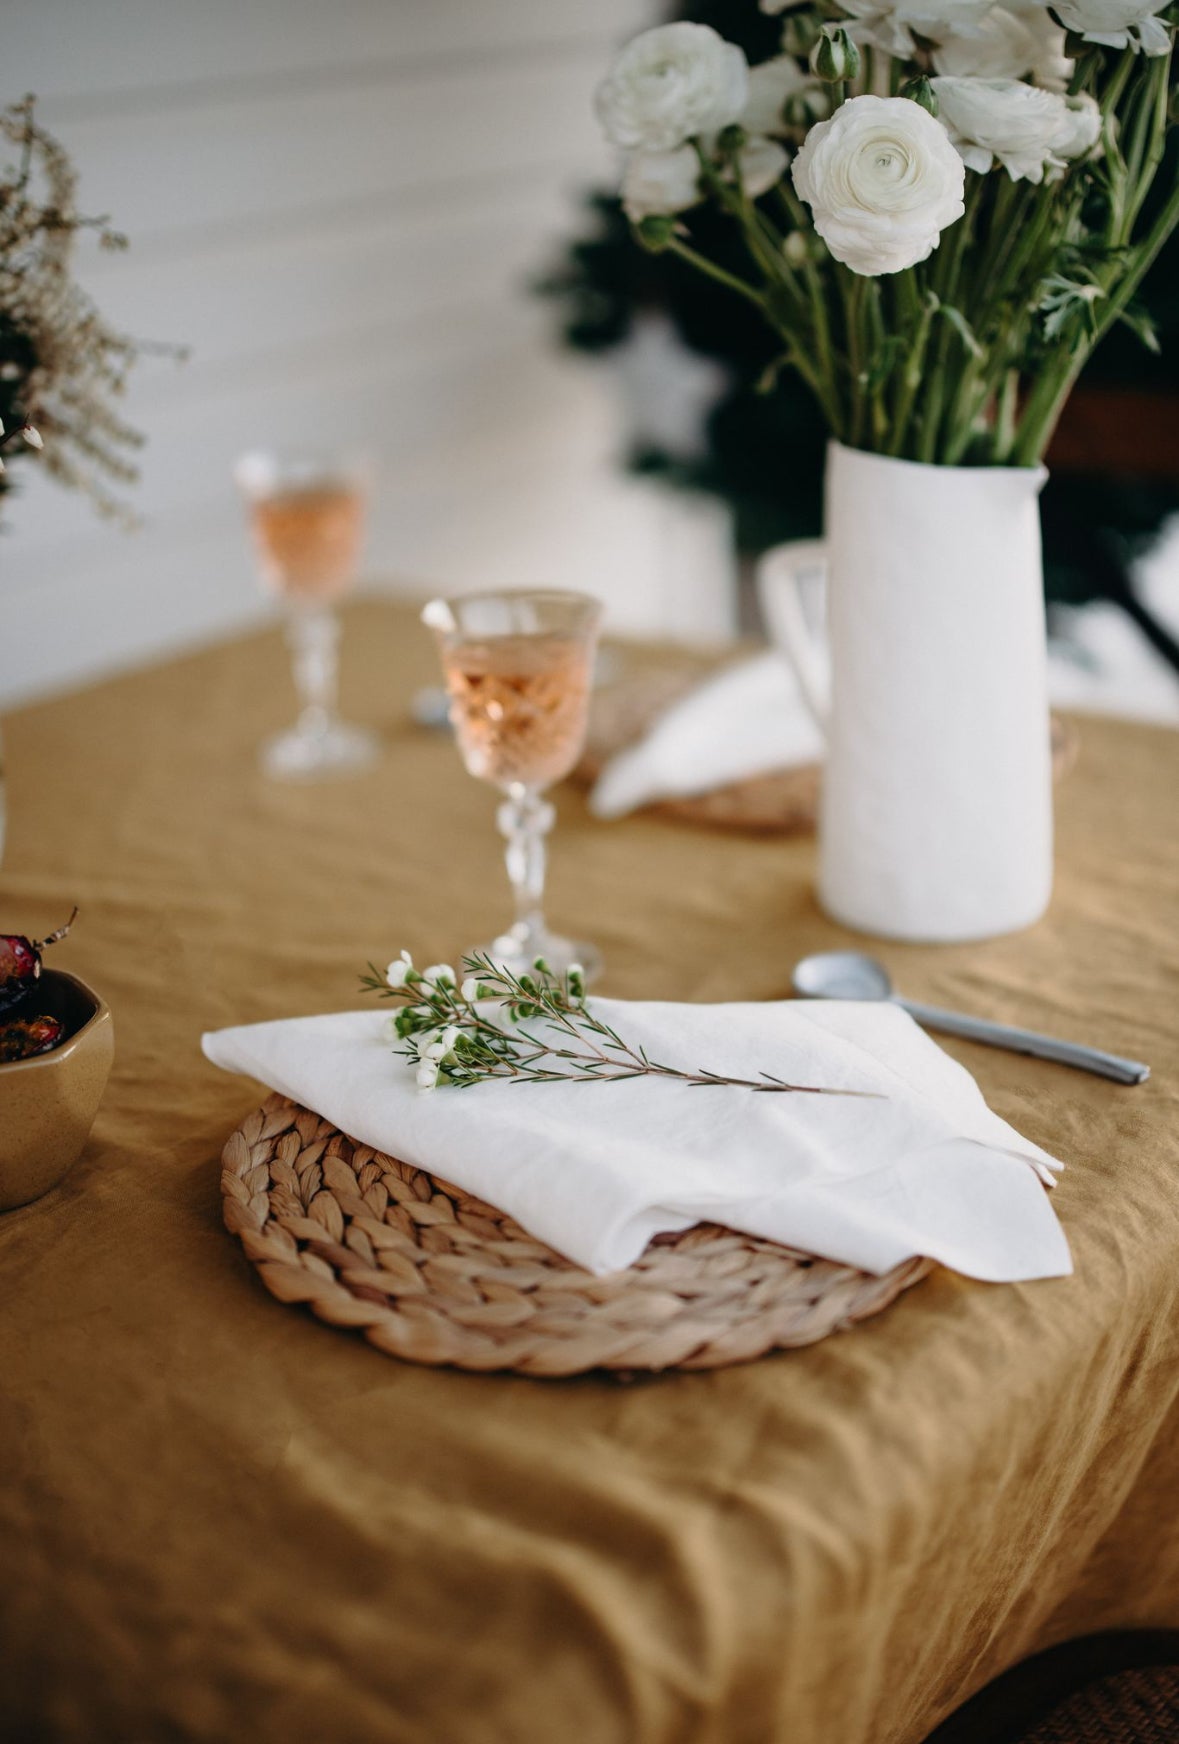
(781, 575)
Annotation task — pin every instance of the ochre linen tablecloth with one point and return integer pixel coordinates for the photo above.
(220, 1520)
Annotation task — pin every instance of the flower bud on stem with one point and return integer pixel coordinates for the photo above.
(835, 58)
(919, 90)
(655, 233)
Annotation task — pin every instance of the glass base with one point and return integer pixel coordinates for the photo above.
(518, 949)
(336, 749)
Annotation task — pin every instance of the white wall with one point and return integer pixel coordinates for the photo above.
(337, 204)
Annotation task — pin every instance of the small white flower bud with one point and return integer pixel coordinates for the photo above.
(470, 990)
(32, 437)
(438, 972)
(396, 972)
(427, 1076)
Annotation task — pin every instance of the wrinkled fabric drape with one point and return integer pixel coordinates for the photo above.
(222, 1520)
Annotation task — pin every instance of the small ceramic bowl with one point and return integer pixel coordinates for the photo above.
(48, 1103)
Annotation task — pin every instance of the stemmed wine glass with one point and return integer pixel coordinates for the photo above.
(307, 519)
(518, 668)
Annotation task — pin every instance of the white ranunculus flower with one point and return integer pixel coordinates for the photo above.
(1026, 129)
(659, 182)
(671, 84)
(882, 181)
(1011, 42)
(762, 163)
(890, 24)
(1117, 23)
(770, 84)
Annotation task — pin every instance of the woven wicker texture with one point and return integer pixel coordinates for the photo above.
(430, 1274)
(1131, 1707)
(780, 803)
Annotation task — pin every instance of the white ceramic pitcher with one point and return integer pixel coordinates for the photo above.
(936, 813)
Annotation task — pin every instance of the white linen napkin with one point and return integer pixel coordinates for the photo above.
(597, 1169)
(746, 720)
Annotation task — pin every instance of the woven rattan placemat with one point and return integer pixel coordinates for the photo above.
(430, 1274)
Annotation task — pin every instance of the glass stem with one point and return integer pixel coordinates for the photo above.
(524, 820)
(313, 634)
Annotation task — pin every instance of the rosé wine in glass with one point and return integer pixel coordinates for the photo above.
(518, 669)
(307, 520)
(308, 539)
(519, 706)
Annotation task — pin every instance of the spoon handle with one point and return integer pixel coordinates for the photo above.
(1027, 1041)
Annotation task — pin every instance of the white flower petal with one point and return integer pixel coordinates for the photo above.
(770, 84)
(761, 163)
(1025, 128)
(656, 183)
(891, 24)
(672, 84)
(1011, 42)
(1117, 23)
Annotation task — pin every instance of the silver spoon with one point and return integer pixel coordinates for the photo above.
(852, 975)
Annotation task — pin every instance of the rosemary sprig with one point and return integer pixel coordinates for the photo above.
(452, 1032)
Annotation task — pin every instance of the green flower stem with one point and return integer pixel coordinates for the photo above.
(878, 408)
(797, 215)
(1046, 401)
(719, 275)
(911, 377)
(850, 285)
(1145, 165)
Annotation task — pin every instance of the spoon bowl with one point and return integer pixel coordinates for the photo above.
(841, 975)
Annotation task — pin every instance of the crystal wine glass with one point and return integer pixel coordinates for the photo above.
(307, 519)
(518, 668)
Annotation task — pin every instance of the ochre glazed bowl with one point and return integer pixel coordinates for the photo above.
(48, 1103)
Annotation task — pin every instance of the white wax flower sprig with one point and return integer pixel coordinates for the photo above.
(478, 1031)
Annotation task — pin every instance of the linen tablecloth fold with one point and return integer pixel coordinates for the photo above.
(597, 1169)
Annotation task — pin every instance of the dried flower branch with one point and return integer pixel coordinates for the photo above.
(452, 1035)
(62, 366)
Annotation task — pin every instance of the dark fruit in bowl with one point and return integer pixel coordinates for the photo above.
(23, 1037)
(20, 963)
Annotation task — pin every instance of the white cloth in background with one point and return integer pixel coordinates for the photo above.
(750, 718)
(746, 720)
(595, 1169)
